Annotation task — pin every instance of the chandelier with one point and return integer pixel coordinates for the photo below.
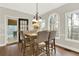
(37, 19)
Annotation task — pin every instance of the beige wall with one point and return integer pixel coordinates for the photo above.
(4, 15)
(61, 11)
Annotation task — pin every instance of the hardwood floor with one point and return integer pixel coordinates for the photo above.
(13, 50)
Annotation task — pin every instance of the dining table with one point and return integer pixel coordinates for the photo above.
(32, 36)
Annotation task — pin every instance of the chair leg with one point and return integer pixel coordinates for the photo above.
(37, 49)
(51, 48)
(47, 48)
(21, 47)
(24, 50)
(54, 48)
(33, 49)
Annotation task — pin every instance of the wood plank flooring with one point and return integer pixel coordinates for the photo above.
(13, 50)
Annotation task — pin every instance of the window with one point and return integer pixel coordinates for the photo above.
(73, 26)
(11, 29)
(42, 25)
(53, 24)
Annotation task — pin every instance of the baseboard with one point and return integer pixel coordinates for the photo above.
(12, 43)
(68, 48)
(1, 45)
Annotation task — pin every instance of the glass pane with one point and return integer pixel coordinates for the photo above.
(73, 26)
(11, 30)
(54, 24)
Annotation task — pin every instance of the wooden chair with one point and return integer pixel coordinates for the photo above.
(25, 42)
(21, 40)
(52, 35)
(42, 41)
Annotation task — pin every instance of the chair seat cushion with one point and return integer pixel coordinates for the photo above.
(51, 41)
(41, 44)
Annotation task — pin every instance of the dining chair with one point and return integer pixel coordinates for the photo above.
(42, 41)
(21, 39)
(52, 35)
(25, 42)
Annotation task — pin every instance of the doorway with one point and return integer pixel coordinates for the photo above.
(22, 26)
(12, 31)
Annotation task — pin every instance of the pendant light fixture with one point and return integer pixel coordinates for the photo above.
(36, 18)
(36, 22)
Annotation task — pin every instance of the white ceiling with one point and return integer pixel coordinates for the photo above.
(30, 8)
